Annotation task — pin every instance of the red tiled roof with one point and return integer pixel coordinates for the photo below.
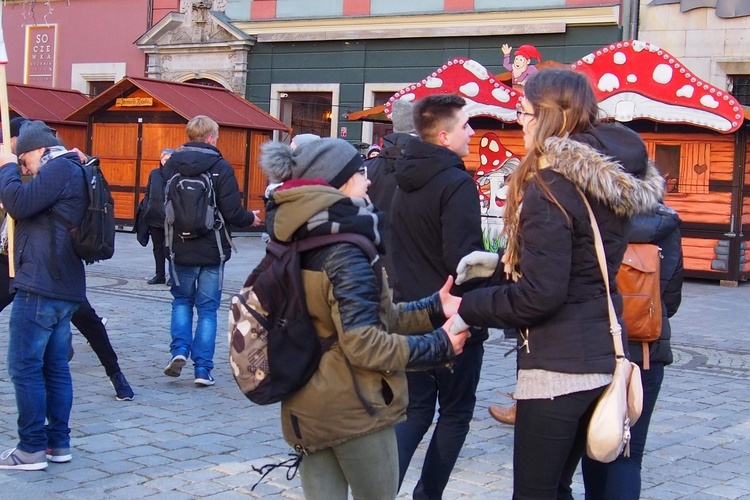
(188, 100)
(44, 103)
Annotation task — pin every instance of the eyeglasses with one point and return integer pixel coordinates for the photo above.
(363, 170)
(521, 113)
(21, 162)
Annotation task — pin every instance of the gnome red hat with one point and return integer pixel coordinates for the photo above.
(529, 52)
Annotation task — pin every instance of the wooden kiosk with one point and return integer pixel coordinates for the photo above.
(131, 122)
(697, 135)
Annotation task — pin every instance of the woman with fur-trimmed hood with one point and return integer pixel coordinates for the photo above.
(551, 287)
(341, 423)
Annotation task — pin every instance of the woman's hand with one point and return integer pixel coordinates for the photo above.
(450, 302)
(458, 339)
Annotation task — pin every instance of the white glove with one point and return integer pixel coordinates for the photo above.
(477, 264)
(458, 326)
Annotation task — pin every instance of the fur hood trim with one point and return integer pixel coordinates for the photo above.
(604, 179)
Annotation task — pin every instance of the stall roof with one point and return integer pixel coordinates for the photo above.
(188, 100)
(44, 103)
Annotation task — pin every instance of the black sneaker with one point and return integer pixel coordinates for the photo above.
(122, 388)
(156, 280)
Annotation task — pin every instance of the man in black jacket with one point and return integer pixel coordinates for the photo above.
(198, 263)
(435, 222)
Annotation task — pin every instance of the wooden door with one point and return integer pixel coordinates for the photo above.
(116, 145)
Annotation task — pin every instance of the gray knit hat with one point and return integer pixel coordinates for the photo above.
(330, 159)
(35, 135)
(299, 140)
(402, 116)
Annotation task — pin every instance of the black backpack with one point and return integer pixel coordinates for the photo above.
(191, 211)
(273, 347)
(94, 238)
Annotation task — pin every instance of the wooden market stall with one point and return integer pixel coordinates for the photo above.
(51, 106)
(131, 122)
(697, 135)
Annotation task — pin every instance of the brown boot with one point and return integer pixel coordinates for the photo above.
(505, 415)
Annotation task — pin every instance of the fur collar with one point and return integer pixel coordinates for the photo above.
(604, 179)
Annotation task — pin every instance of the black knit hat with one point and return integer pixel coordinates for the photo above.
(35, 135)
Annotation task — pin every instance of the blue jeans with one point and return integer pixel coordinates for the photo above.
(621, 479)
(38, 367)
(199, 288)
(455, 391)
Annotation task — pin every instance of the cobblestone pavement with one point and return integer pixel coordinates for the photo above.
(178, 441)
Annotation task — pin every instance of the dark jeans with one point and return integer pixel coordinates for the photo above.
(550, 438)
(455, 391)
(6, 296)
(91, 327)
(621, 479)
(157, 239)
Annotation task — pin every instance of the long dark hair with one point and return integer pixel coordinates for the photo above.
(564, 103)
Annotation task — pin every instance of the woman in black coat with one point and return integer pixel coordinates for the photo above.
(153, 216)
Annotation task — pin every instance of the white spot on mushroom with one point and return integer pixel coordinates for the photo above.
(662, 73)
(483, 142)
(589, 59)
(495, 163)
(619, 58)
(686, 91)
(494, 146)
(709, 101)
(608, 82)
(631, 78)
(470, 89)
(508, 154)
(624, 111)
(653, 48)
(638, 45)
(501, 95)
(483, 159)
(476, 69)
(433, 83)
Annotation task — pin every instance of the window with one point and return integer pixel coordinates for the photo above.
(97, 87)
(380, 130)
(668, 162)
(740, 88)
(307, 112)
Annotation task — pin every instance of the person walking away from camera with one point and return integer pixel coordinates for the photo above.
(435, 221)
(381, 170)
(153, 216)
(197, 262)
(621, 479)
(342, 421)
(50, 284)
(556, 293)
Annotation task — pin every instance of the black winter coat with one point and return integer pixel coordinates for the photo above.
(435, 221)
(381, 171)
(560, 300)
(47, 268)
(192, 159)
(661, 228)
(153, 199)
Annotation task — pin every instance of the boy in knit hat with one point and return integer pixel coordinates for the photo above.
(342, 421)
(50, 285)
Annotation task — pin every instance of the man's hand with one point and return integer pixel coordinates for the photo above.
(506, 49)
(477, 264)
(256, 220)
(449, 302)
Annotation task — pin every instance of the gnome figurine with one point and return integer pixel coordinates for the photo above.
(521, 68)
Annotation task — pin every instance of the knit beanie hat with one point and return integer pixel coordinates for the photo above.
(299, 140)
(15, 126)
(402, 116)
(35, 135)
(330, 159)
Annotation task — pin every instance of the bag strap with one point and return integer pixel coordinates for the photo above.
(614, 325)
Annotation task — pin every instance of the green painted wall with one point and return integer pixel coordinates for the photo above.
(356, 62)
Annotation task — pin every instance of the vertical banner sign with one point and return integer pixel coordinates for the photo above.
(41, 44)
(5, 117)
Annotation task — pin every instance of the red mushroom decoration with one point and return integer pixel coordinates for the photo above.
(635, 79)
(484, 95)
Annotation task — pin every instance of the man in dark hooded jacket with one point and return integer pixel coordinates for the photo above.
(197, 264)
(435, 221)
